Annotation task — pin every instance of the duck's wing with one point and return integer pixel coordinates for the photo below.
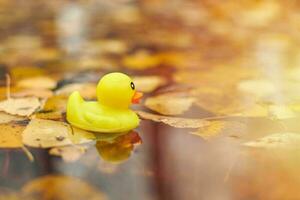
(103, 123)
(73, 106)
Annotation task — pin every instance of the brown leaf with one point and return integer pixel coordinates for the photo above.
(169, 104)
(174, 121)
(40, 93)
(148, 83)
(47, 133)
(60, 188)
(21, 106)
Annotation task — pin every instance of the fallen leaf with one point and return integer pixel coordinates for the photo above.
(40, 82)
(11, 135)
(210, 131)
(221, 128)
(169, 104)
(285, 140)
(148, 83)
(60, 188)
(68, 153)
(141, 60)
(281, 112)
(174, 121)
(21, 106)
(5, 118)
(40, 93)
(86, 90)
(47, 133)
(56, 103)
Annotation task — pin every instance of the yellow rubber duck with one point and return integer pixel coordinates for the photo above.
(110, 114)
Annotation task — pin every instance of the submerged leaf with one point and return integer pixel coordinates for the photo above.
(21, 106)
(60, 187)
(47, 133)
(175, 121)
(68, 153)
(169, 104)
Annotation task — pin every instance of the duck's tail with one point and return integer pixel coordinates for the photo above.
(73, 106)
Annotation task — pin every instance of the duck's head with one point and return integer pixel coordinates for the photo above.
(117, 90)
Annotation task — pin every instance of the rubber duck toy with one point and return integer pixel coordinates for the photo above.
(110, 113)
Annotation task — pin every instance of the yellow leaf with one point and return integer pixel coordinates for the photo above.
(148, 83)
(5, 118)
(11, 135)
(285, 140)
(210, 131)
(169, 104)
(47, 133)
(86, 90)
(141, 60)
(21, 106)
(174, 121)
(40, 82)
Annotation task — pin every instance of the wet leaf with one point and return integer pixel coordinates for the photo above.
(47, 133)
(174, 121)
(86, 90)
(148, 83)
(21, 106)
(221, 128)
(141, 60)
(68, 153)
(11, 135)
(40, 93)
(169, 104)
(60, 188)
(285, 140)
(5, 118)
(40, 82)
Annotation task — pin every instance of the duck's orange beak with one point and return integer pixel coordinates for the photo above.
(136, 97)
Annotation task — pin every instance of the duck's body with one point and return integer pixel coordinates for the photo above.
(98, 116)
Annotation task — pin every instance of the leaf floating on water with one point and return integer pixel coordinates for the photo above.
(11, 135)
(141, 60)
(60, 187)
(40, 82)
(285, 140)
(174, 121)
(148, 83)
(218, 128)
(5, 118)
(210, 131)
(40, 93)
(169, 104)
(47, 133)
(281, 112)
(20, 106)
(68, 153)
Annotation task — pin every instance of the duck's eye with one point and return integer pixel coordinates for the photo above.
(132, 85)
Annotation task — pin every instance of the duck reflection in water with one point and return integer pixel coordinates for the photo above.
(119, 148)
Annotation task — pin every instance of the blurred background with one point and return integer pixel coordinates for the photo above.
(234, 65)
